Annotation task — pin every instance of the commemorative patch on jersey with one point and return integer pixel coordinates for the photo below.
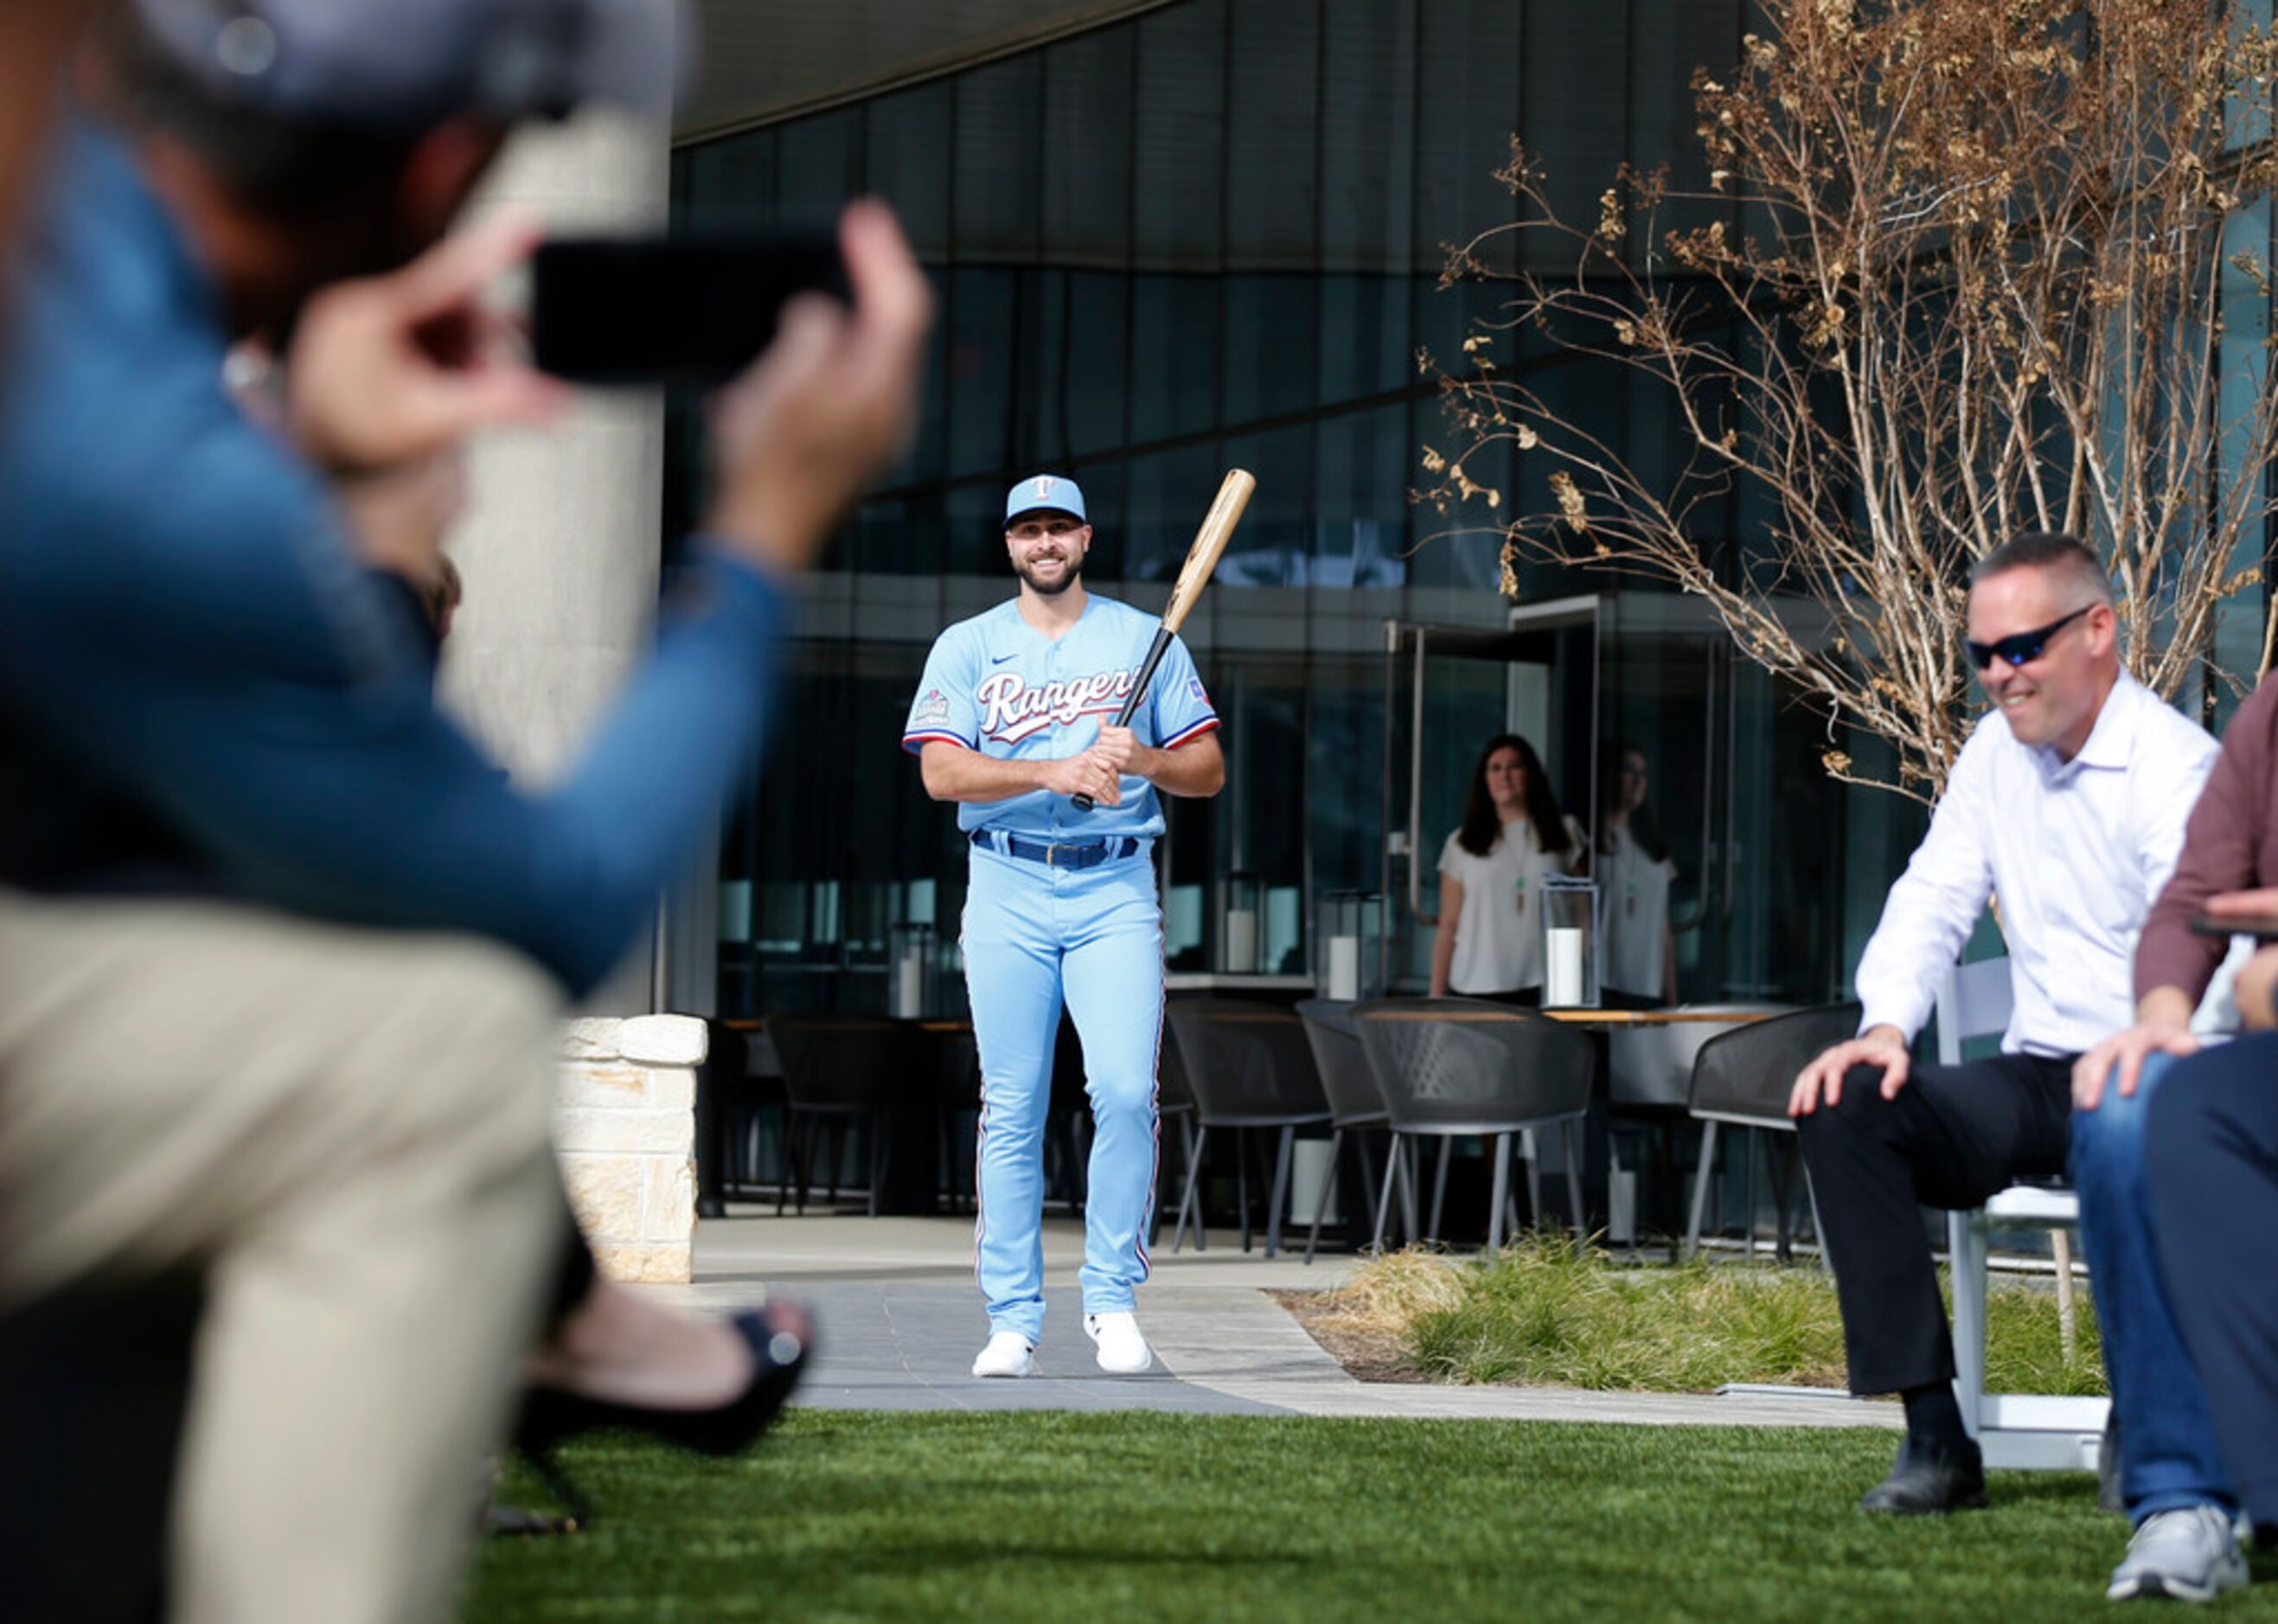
(932, 706)
(1194, 687)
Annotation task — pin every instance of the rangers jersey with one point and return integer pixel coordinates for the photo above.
(996, 684)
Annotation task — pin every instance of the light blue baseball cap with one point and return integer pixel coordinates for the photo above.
(1044, 493)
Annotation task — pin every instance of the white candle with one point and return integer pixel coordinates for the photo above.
(1344, 967)
(1562, 981)
(1242, 942)
(909, 985)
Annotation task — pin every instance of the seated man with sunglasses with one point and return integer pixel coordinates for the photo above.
(2068, 812)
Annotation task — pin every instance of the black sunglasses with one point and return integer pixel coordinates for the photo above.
(2025, 647)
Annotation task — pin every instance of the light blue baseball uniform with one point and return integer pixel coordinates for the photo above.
(1038, 929)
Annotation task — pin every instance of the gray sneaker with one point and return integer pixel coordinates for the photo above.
(2187, 1555)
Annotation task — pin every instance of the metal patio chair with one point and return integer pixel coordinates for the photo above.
(1356, 1104)
(1742, 1079)
(1458, 1067)
(1249, 1067)
(838, 1067)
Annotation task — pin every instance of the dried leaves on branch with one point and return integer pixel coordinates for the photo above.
(1960, 268)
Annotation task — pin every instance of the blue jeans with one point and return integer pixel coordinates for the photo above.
(2168, 1458)
(2212, 1158)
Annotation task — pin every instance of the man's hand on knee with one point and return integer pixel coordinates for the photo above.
(2121, 1058)
(1823, 1078)
(2163, 1026)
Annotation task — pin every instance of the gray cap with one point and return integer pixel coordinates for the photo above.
(404, 64)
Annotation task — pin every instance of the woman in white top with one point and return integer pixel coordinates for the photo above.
(1634, 872)
(1491, 873)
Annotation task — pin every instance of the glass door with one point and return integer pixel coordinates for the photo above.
(1447, 690)
(1736, 802)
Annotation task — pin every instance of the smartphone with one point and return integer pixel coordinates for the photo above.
(2261, 926)
(677, 309)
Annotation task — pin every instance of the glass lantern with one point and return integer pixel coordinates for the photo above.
(1347, 941)
(909, 971)
(1570, 942)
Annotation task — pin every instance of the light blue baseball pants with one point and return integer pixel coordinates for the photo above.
(1033, 934)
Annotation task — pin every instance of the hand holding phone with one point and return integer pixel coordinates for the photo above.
(828, 407)
(387, 369)
(2261, 926)
(2241, 913)
(692, 310)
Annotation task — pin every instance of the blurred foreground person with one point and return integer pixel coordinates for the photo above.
(34, 35)
(221, 768)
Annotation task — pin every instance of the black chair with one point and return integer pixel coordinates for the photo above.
(1067, 1121)
(1356, 1104)
(738, 1091)
(1249, 1067)
(837, 1067)
(1174, 1103)
(1456, 1067)
(1743, 1077)
(1648, 1080)
(956, 1061)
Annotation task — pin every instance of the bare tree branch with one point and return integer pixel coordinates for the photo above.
(1962, 273)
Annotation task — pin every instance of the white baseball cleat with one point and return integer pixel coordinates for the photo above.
(1122, 1350)
(1008, 1353)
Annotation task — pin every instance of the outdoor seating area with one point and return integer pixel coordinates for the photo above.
(1392, 1095)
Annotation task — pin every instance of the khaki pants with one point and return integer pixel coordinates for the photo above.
(346, 1131)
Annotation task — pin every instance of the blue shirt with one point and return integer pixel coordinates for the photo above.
(997, 685)
(184, 629)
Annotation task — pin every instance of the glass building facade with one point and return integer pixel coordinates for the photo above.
(1213, 235)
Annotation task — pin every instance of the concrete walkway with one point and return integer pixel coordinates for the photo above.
(901, 1320)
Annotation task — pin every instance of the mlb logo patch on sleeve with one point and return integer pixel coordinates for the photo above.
(932, 706)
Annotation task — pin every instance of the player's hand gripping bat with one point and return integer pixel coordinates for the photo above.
(1202, 558)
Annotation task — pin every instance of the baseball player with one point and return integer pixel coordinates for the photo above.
(1011, 721)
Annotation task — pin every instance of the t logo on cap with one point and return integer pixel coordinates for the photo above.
(1044, 493)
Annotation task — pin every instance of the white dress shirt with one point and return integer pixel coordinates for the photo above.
(2074, 851)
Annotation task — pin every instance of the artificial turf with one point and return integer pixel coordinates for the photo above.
(1132, 1515)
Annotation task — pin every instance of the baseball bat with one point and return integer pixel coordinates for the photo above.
(1202, 558)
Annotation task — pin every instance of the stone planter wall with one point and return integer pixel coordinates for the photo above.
(624, 1125)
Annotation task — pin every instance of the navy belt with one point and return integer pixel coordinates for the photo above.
(1059, 854)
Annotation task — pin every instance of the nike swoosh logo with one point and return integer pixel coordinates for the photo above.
(999, 659)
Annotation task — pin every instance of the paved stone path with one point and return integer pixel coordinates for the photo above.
(901, 1320)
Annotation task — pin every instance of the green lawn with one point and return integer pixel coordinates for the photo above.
(1133, 1516)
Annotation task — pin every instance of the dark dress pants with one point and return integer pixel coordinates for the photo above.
(1954, 1136)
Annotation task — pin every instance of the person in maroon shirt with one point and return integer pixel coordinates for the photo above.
(2228, 868)
(2210, 1174)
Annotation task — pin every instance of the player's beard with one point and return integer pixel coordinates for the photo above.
(1027, 572)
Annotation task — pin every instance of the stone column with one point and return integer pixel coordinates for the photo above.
(559, 547)
(625, 1126)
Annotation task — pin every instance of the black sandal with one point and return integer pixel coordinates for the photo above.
(551, 1417)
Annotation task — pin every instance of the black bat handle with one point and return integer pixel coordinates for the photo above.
(1084, 803)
